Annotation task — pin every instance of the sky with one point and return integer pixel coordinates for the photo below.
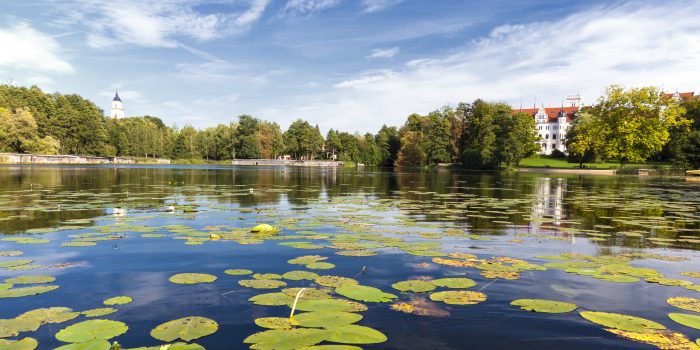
(344, 64)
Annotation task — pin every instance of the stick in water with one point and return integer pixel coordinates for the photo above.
(291, 315)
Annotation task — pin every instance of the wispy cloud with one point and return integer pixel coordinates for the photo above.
(307, 7)
(378, 5)
(384, 53)
(25, 48)
(632, 44)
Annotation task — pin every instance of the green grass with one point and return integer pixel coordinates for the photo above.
(543, 162)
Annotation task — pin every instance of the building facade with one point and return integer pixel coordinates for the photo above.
(117, 110)
(553, 122)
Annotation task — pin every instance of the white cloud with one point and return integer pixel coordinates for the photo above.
(306, 7)
(378, 5)
(154, 23)
(25, 48)
(632, 44)
(384, 53)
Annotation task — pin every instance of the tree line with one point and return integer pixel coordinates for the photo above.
(626, 125)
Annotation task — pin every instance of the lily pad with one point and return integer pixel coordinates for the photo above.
(685, 303)
(334, 281)
(299, 275)
(330, 305)
(546, 306)
(286, 339)
(274, 322)
(364, 293)
(264, 228)
(187, 328)
(692, 321)
(99, 312)
(91, 330)
(192, 278)
(354, 334)
(30, 279)
(96, 344)
(455, 282)
(325, 319)
(10, 253)
(238, 272)
(21, 344)
(622, 322)
(120, 300)
(262, 284)
(458, 297)
(25, 291)
(13, 326)
(659, 339)
(416, 286)
(13, 263)
(321, 265)
(272, 299)
(50, 315)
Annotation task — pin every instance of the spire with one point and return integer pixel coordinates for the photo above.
(116, 96)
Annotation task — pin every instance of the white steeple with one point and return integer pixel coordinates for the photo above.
(117, 111)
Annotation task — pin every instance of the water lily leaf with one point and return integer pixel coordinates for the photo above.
(90, 330)
(668, 281)
(30, 279)
(262, 284)
(267, 276)
(334, 281)
(421, 307)
(416, 286)
(25, 291)
(286, 339)
(325, 319)
(21, 344)
(274, 322)
(364, 293)
(50, 315)
(686, 303)
(616, 278)
(306, 259)
(330, 305)
(333, 347)
(272, 299)
(542, 305)
(299, 275)
(96, 344)
(320, 266)
(458, 297)
(99, 312)
(659, 339)
(309, 293)
(192, 278)
(264, 228)
(79, 244)
(119, 300)
(10, 253)
(238, 272)
(17, 262)
(455, 282)
(187, 328)
(622, 322)
(506, 275)
(354, 334)
(173, 346)
(694, 274)
(692, 321)
(12, 327)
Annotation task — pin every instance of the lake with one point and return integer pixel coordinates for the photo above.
(470, 243)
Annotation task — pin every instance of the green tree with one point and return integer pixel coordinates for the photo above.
(582, 138)
(333, 144)
(389, 142)
(437, 138)
(270, 142)
(19, 133)
(79, 125)
(303, 140)
(245, 136)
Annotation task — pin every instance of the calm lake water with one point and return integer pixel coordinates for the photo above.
(404, 225)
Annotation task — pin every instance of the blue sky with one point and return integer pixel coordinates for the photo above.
(353, 65)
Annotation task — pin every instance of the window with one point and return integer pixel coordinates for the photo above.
(547, 127)
(546, 137)
(554, 137)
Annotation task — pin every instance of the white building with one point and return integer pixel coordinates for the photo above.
(553, 122)
(117, 111)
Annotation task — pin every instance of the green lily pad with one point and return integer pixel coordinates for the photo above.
(333, 347)
(616, 278)
(192, 278)
(50, 315)
(99, 312)
(272, 299)
(120, 300)
(299, 275)
(685, 303)
(96, 344)
(455, 282)
(309, 293)
(546, 306)
(286, 339)
(334, 281)
(25, 291)
(187, 329)
(91, 330)
(321, 265)
(692, 321)
(330, 305)
(267, 276)
(274, 322)
(458, 297)
(264, 228)
(10, 253)
(354, 334)
(13, 263)
(262, 284)
(30, 279)
(13, 326)
(238, 272)
(668, 281)
(173, 346)
(79, 244)
(306, 259)
(416, 286)
(21, 344)
(622, 322)
(325, 319)
(364, 293)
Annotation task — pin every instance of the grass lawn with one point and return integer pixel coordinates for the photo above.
(542, 162)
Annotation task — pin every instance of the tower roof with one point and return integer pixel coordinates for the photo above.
(116, 96)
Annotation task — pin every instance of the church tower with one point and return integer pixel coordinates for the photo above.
(117, 111)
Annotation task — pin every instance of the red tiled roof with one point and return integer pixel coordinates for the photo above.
(552, 112)
(683, 95)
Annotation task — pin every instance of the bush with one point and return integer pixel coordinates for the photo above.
(557, 154)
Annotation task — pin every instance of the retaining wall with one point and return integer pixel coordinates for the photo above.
(16, 158)
(282, 162)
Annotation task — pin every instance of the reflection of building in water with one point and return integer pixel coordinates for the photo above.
(547, 209)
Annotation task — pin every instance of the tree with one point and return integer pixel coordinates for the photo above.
(78, 124)
(582, 138)
(333, 144)
(437, 138)
(683, 148)
(303, 140)
(515, 138)
(19, 133)
(270, 141)
(633, 124)
(245, 136)
(389, 142)
(411, 152)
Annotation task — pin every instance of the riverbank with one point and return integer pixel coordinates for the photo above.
(282, 162)
(18, 158)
